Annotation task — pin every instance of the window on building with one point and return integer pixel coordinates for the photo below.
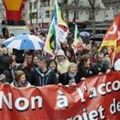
(47, 14)
(45, 3)
(48, 3)
(30, 16)
(42, 4)
(33, 15)
(35, 5)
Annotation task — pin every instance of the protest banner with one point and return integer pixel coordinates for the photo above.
(97, 98)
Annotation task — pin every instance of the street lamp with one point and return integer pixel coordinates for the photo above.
(41, 16)
(37, 17)
(30, 14)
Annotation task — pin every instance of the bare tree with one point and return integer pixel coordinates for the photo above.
(92, 13)
(66, 9)
(95, 5)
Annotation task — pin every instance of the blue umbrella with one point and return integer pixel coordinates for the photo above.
(85, 34)
(24, 42)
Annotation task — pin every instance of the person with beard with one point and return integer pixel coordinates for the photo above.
(102, 63)
(85, 67)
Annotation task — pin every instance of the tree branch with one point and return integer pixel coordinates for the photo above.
(92, 3)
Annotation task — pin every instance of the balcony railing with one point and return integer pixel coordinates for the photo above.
(110, 1)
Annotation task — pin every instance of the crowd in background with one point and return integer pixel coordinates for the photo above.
(67, 67)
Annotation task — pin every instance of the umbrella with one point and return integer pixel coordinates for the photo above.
(24, 42)
(85, 34)
(97, 37)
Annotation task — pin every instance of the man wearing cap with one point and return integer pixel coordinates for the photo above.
(62, 62)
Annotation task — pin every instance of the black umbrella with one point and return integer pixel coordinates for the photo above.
(97, 37)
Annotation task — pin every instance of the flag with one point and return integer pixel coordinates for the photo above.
(112, 35)
(58, 31)
(77, 39)
(50, 43)
(63, 29)
(112, 38)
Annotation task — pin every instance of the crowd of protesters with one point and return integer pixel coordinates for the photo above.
(68, 67)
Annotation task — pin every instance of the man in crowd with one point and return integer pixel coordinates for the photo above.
(43, 75)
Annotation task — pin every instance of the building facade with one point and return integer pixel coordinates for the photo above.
(112, 8)
(39, 11)
(2, 11)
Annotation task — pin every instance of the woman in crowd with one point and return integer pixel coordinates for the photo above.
(35, 61)
(20, 79)
(62, 62)
(71, 77)
(53, 66)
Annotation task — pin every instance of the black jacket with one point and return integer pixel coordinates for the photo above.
(101, 66)
(86, 72)
(65, 78)
(44, 78)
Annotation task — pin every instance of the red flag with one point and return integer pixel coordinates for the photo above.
(112, 37)
(117, 50)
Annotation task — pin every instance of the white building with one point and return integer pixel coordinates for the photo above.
(41, 10)
(112, 8)
(82, 8)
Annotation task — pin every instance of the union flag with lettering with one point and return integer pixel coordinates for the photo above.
(112, 38)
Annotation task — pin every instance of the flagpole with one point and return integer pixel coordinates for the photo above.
(114, 54)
